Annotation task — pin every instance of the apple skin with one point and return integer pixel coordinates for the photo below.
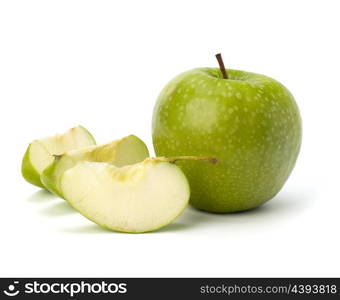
(249, 122)
(29, 172)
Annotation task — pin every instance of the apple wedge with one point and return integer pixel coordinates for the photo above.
(126, 151)
(40, 153)
(137, 198)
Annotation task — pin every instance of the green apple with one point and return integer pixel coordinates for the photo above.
(126, 151)
(136, 198)
(249, 122)
(40, 153)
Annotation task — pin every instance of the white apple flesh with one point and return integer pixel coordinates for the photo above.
(136, 198)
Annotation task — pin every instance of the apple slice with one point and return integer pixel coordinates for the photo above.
(136, 198)
(126, 151)
(39, 153)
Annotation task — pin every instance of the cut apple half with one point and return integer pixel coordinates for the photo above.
(136, 198)
(126, 151)
(40, 153)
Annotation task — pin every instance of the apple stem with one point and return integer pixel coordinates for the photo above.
(177, 158)
(221, 64)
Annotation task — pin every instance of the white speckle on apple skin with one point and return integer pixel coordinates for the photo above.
(254, 132)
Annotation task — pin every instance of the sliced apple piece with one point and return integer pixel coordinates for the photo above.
(40, 153)
(126, 151)
(136, 198)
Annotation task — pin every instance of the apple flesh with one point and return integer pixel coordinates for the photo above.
(137, 198)
(249, 122)
(125, 151)
(40, 153)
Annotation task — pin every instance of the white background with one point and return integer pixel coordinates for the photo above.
(102, 64)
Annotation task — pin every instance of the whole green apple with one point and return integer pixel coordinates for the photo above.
(249, 122)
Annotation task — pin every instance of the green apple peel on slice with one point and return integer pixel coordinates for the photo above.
(40, 153)
(136, 198)
(126, 151)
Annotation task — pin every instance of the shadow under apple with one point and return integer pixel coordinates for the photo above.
(58, 209)
(90, 228)
(284, 205)
(41, 196)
